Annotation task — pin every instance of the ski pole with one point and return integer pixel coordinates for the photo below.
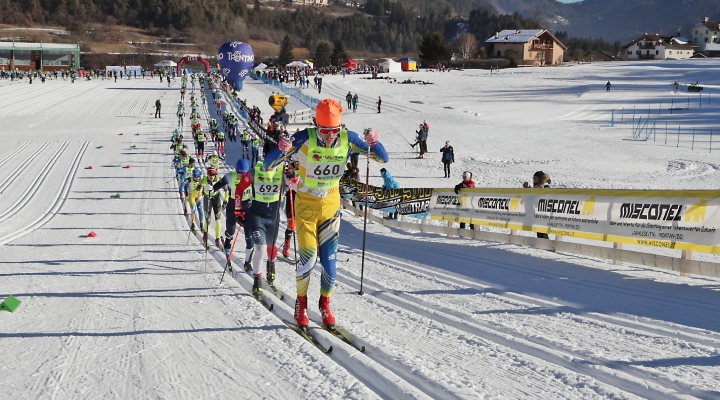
(292, 213)
(277, 214)
(207, 224)
(230, 254)
(367, 185)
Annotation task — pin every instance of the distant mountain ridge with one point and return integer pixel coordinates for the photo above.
(612, 20)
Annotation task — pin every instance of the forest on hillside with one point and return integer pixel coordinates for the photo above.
(383, 28)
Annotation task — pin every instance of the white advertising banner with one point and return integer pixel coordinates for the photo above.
(673, 219)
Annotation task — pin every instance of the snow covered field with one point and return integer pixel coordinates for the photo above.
(131, 313)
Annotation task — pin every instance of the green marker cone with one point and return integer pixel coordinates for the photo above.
(10, 304)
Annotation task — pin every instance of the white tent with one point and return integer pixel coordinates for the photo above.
(260, 67)
(298, 64)
(166, 63)
(390, 66)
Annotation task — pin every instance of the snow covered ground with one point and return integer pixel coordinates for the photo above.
(132, 313)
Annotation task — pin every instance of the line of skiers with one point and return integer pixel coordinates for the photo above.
(251, 195)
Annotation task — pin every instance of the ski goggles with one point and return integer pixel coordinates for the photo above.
(329, 131)
(196, 178)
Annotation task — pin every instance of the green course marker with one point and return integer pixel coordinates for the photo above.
(10, 304)
(117, 195)
(99, 147)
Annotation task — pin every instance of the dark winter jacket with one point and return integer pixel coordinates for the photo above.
(448, 155)
(422, 134)
(157, 104)
(388, 181)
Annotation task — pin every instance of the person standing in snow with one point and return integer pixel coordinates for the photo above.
(389, 183)
(540, 181)
(322, 152)
(379, 103)
(349, 98)
(448, 157)
(355, 100)
(157, 108)
(467, 182)
(607, 86)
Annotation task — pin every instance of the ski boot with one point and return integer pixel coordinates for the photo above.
(248, 267)
(270, 272)
(257, 285)
(301, 315)
(286, 248)
(219, 243)
(328, 318)
(193, 229)
(227, 244)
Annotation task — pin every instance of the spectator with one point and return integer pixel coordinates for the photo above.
(355, 100)
(467, 182)
(379, 103)
(349, 98)
(448, 157)
(540, 180)
(607, 86)
(389, 183)
(157, 108)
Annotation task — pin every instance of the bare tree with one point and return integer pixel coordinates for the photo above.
(466, 46)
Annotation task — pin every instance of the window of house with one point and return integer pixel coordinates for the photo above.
(706, 31)
(706, 40)
(657, 52)
(629, 53)
(670, 52)
(696, 32)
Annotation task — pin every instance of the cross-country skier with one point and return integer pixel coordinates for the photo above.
(200, 141)
(232, 179)
(215, 202)
(322, 153)
(261, 219)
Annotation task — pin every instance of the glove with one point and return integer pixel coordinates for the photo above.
(370, 136)
(457, 188)
(224, 205)
(240, 215)
(284, 144)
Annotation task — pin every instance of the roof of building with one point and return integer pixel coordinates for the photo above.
(664, 40)
(708, 24)
(38, 46)
(515, 36)
(520, 36)
(601, 54)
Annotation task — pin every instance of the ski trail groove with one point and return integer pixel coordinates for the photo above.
(614, 319)
(13, 154)
(33, 189)
(53, 208)
(21, 167)
(513, 341)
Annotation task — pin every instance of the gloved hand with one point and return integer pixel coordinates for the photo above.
(284, 144)
(370, 136)
(224, 205)
(457, 188)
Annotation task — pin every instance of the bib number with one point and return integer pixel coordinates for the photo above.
(327, 171)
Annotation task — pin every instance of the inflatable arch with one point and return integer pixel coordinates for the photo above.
(192, 58)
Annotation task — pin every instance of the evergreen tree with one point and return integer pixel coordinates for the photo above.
(322, 55)
(432, 48)
(339, 55)
(286, 52)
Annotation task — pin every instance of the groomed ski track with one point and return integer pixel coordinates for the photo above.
(131, 313)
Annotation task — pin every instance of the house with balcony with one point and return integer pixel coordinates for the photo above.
(658, 47)
(706, 35)
(528, 46)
